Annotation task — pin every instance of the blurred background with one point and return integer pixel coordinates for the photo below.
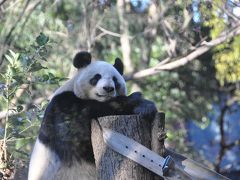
(181, 54)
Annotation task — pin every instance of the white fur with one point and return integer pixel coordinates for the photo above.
(79, 84)
(68, 86)
(45, 165)
(83, 171)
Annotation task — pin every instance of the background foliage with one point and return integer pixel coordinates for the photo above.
(183, 55)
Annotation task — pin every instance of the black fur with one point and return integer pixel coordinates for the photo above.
(93, 81)
(119, 65)
(82, 59)
(67, 120)
(116, 83)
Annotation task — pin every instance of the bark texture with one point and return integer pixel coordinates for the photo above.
(158, 134)
(110, 164)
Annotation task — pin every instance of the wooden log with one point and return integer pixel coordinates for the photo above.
(158, 134)
(110, 164)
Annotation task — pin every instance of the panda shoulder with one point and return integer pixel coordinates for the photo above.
(65, 96)
(64, 100)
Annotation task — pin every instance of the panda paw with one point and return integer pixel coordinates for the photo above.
(144, 108)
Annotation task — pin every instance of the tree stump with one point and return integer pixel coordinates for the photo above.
(158, 134)
(112, 165)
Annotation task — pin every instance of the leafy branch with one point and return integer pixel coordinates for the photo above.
(181, 61)
(23, 70)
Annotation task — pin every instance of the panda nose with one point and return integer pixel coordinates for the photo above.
(108, 88)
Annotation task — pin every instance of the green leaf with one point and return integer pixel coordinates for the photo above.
(18, 78)
(63, 79)
(20, 142)
(43, 51)
(14, 55)
(5, 96)
(42, 39)
(10, 59)
(13, 70)
(36, 67)
(19, 108)
(3, 76)
(10, 96)
(44, 104)
(3, 165)
(52, 81)
(51, 75)
(25, 60)
(45, 77)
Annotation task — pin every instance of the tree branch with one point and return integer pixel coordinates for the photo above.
(222, 140)
(225, 10)
(230, 145)
(109, 32)
(2, 2)
(178, 62)
(31, 9)
(15, 24)
(124, 38)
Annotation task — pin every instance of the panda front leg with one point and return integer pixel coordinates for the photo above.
(44, 163)
(126, 105)
(133, 104)
(143, 107)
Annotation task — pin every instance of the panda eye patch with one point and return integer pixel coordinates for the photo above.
(93, 81)
(117, 84)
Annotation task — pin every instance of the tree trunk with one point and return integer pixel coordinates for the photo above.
(124, 38)
(110, 164)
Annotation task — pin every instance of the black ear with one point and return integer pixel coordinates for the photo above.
(119, 65)
(82, 59)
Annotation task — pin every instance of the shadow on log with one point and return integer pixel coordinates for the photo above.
(110, 164)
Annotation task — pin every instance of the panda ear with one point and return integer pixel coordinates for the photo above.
(119, 65)
(82, 59)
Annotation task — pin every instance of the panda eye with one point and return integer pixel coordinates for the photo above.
(97, 76)
(117, 84)
(93, 81)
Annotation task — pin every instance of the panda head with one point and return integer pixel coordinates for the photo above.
(98, 80)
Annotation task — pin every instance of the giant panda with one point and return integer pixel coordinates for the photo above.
(63, 149)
